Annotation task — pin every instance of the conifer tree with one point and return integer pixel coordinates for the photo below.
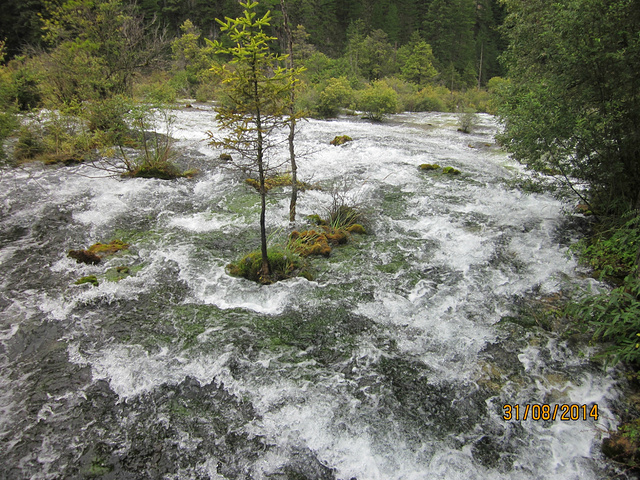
(257, 103)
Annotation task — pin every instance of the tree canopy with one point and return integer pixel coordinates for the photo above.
(573, 104)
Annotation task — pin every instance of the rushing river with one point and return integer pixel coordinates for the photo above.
(394, 363)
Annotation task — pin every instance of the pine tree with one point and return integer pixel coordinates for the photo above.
(258, 91)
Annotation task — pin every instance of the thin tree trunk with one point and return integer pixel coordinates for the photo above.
(292, 121)
(265, 269)
(638, 226)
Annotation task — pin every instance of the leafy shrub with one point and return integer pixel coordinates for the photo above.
(467, 119)
(378, 100)
(29, 145)
(612, 251)
(156, 89)
(109, 116)
(335, 95)
(613, 317)
(431, 99)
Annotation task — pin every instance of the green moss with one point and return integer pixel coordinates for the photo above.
(429, 166)
(118, 273)
(98, 468)
(309, 242)
(450, 171)
(341, 140)
(88, 279)
(283, 265)
(315, 218)
(104, 249)
(275, 181)
(164, 171)
(357, 228)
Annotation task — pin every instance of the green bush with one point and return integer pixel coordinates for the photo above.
(335, 95)
(611, 252)
(432, 99)
(156, 89)
(613, 317)
(30, 143)
(109, 116)
(378, 100)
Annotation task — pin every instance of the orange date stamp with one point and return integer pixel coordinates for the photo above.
(563, 412)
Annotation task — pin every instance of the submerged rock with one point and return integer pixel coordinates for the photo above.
(94, 254)
(92, 279)
(84, 256)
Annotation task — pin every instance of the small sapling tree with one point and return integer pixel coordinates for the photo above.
(258, 89)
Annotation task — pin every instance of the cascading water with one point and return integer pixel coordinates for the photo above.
(394, 363)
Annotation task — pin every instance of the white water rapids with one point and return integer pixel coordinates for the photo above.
(394, 363)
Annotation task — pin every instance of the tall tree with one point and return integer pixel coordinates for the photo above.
(574, 102)
(97, 48)
(448, 28)
(293, 116)
(258, 94)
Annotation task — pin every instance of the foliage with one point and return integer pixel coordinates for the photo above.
(378, 100)
(335, 95)
(192, 58)
(573, 102)
(612, 251)
(155, 154)
(431, 99)
(97, 47)
(157, 88)
(467, 119)
(8, 120)
(416, 61)
(371, 56)
(614, 317)
(25, 82)
(55, 137)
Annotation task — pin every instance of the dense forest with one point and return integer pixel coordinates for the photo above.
(462, 33)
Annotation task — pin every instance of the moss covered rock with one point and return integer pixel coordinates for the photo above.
(357, 228)
(104, 249)
(341, 140)
(429, 166)
(275, 181)
(283, 265)
(92, 279)
(84, 256)
(309, 242)
(94, 254)
(450, 171)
